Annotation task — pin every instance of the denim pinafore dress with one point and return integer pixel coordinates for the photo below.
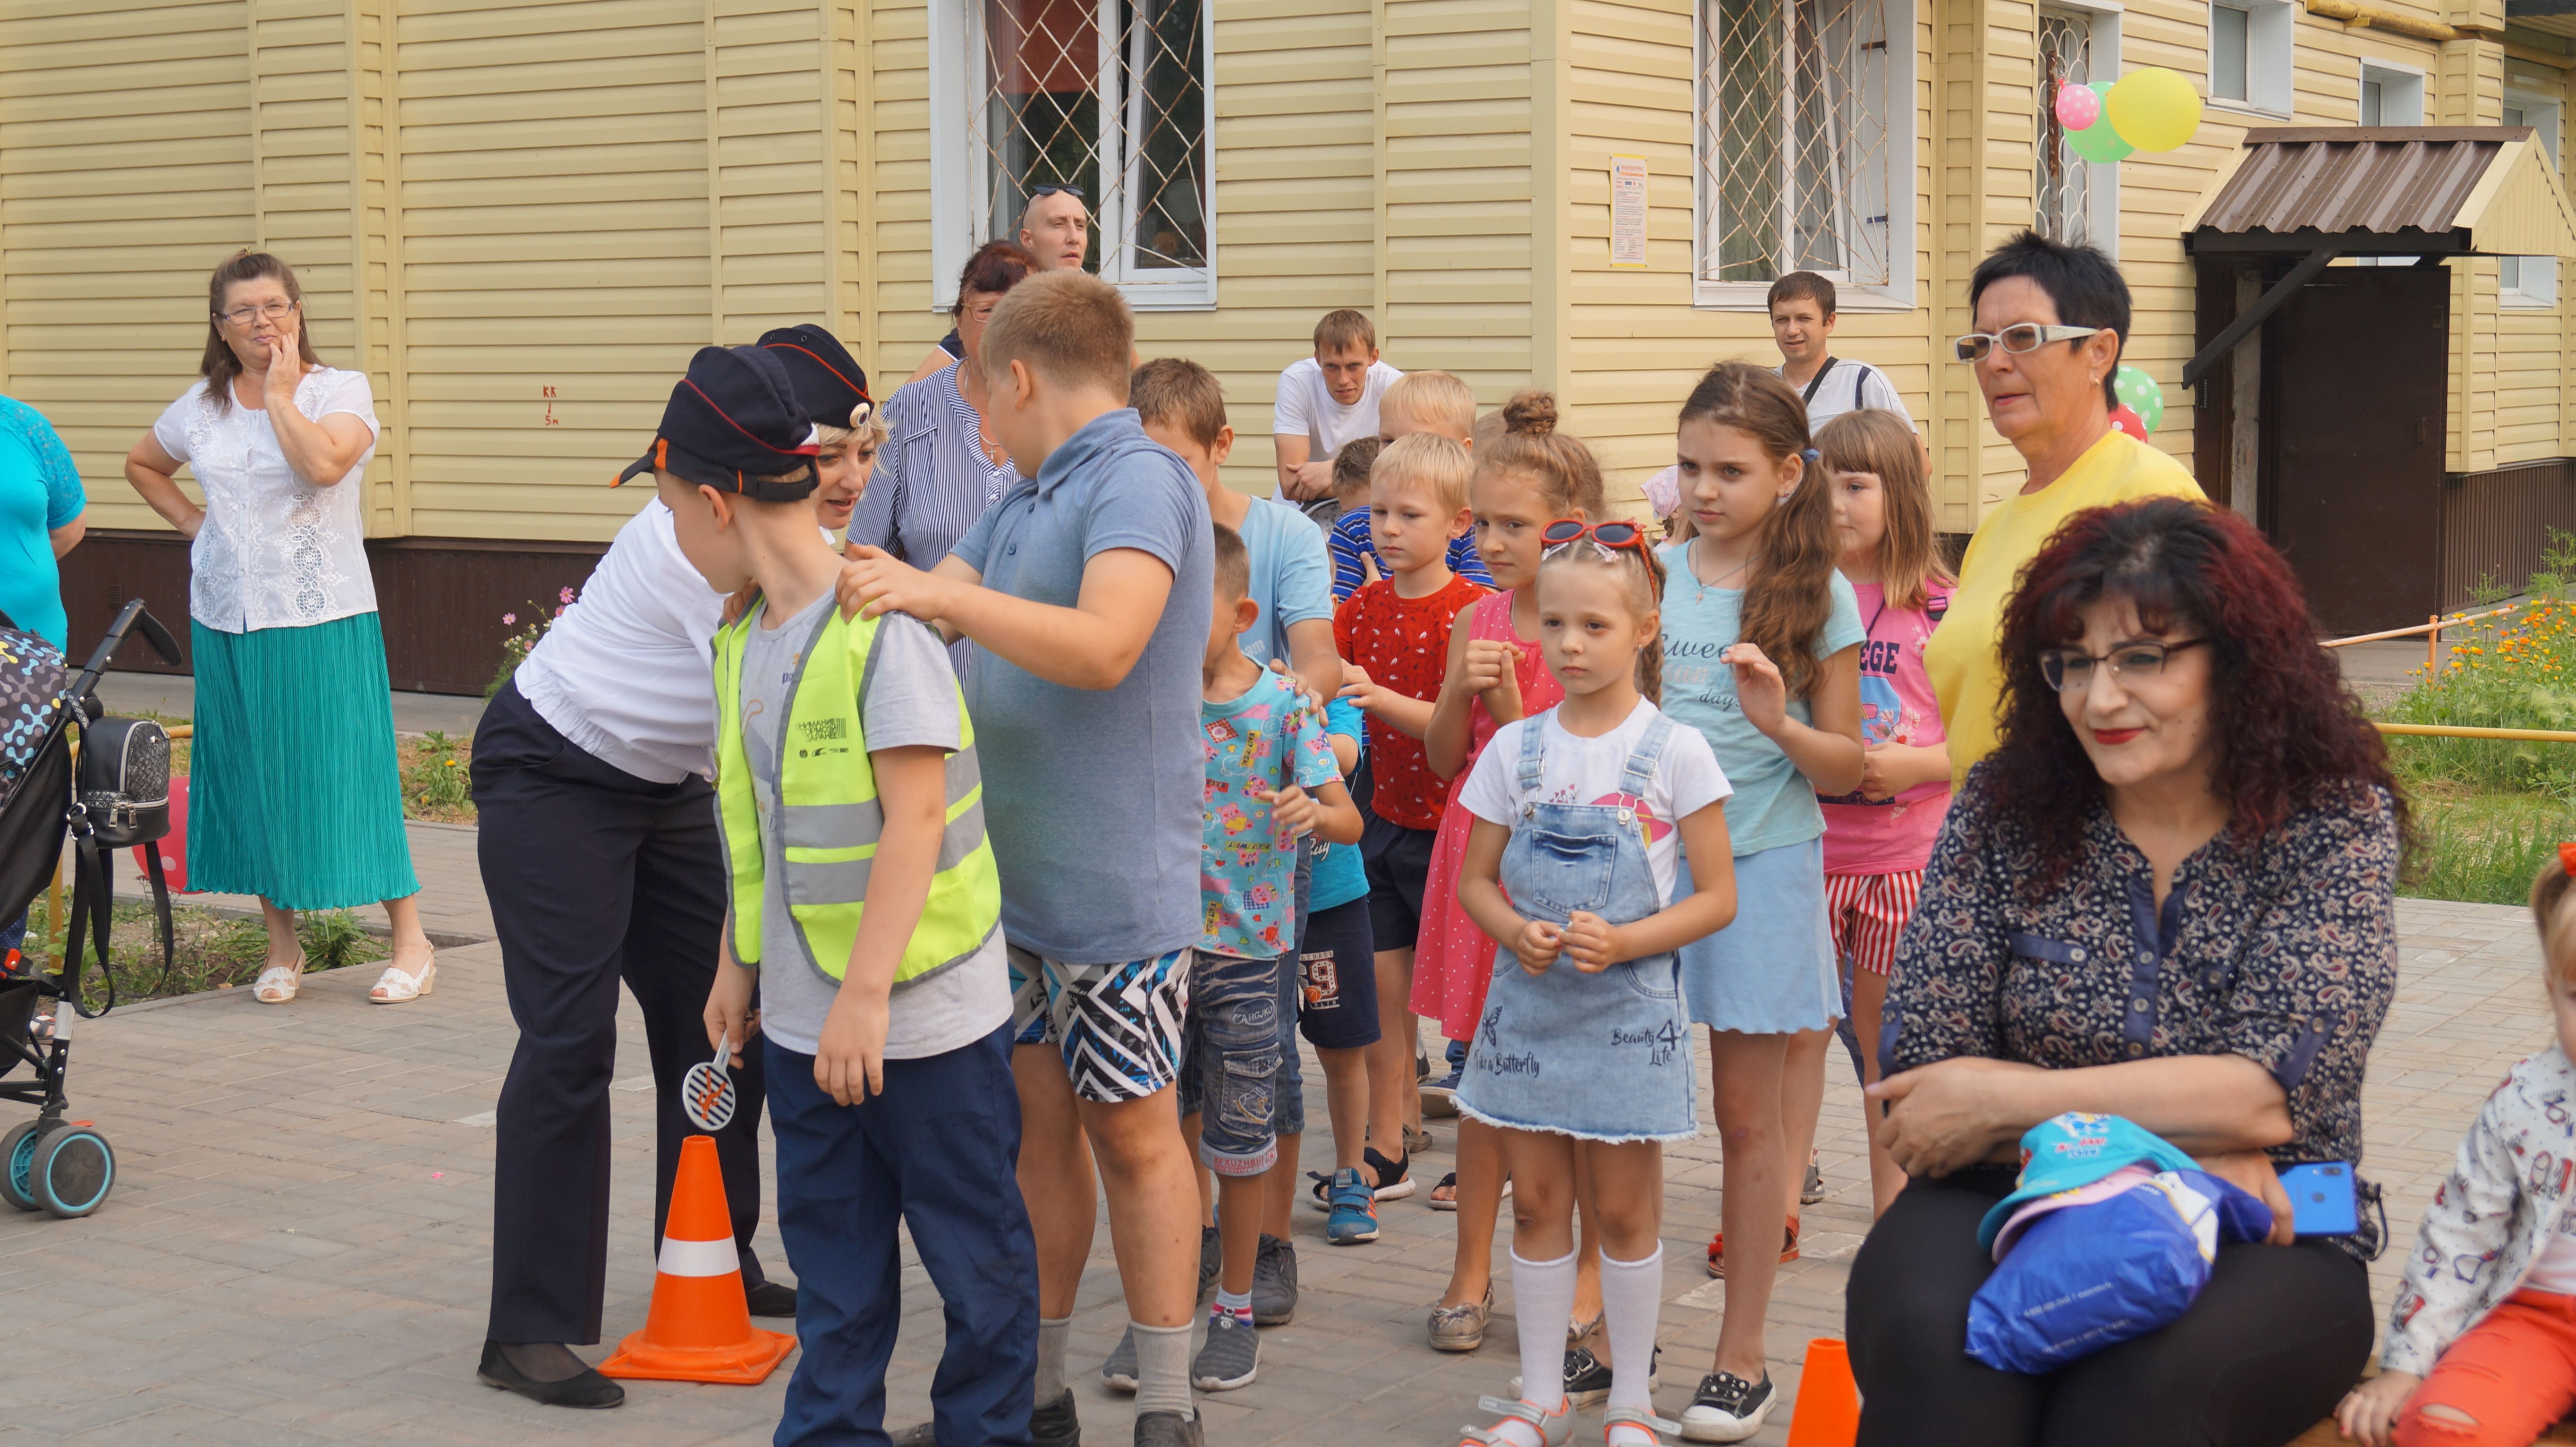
(1602, 1057)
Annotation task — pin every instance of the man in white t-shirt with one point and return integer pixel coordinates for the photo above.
(1802, 322)
(1326, 400)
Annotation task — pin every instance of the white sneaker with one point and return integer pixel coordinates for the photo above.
(1727, 1408)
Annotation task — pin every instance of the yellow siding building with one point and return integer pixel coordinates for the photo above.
(523, 216)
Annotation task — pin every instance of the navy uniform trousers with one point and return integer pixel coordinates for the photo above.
(594, 876)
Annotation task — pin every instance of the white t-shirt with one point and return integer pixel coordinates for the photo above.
(627, 672)
(276, 551)
(1306, 406)
(1587, 771)
(1849, 387)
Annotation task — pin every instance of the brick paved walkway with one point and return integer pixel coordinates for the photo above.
(298, 1249)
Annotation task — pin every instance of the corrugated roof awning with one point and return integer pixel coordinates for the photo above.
(2385, 190)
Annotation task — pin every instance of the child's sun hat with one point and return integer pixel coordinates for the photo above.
(2066, 1153)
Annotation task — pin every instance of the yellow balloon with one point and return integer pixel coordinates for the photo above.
(2153, 109)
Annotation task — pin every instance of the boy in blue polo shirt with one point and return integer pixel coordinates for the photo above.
(1089, 590)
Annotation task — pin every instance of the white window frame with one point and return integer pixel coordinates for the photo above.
(2101, 183)
(2530, 283)
(2271, 58)
(958, 205)
(2401, 88)
(1897, 293)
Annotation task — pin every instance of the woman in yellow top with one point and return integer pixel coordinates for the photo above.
(2050, 321)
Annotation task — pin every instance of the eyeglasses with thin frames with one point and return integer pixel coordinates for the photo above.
(273, 311)
(2018, 338)
(2070, 670)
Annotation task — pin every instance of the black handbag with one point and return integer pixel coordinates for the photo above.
(124, 783)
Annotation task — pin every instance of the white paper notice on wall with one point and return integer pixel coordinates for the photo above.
(1628, 212)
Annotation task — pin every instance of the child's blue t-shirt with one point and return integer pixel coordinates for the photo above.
(1773, 803)
(1264, 739)
(1339, 876)
(1290, 579)
(1349, 541)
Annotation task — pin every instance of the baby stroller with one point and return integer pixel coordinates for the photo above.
(118, 794)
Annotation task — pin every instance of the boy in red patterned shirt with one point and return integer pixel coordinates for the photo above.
(1393, 636)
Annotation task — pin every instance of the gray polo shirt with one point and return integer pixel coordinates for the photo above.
(1092, 797)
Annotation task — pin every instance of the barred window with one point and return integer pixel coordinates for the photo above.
(2065, 179)
(1797, 169)
(1105, 97)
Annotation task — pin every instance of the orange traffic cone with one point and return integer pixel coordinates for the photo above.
(699, 1329)
(1828, 1412)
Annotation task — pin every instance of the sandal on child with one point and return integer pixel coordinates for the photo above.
(278, 983)
(1717, 1250)
(397, 984)
(1554, 1428)
(1656, 1427)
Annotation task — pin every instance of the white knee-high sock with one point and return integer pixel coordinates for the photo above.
(1632, 1296)
(1543, 1301)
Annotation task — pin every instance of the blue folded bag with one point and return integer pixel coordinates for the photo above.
(2102, 1269)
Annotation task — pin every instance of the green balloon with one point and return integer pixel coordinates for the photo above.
(2098, 142)
(2140, 392)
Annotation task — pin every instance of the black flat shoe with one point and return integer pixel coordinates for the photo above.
(1051, 1424)
(585, 1389)
(771, 1299)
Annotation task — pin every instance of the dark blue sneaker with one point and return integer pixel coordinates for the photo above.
(1354, 1210)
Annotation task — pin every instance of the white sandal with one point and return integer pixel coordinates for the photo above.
(278, 983)
(1554, 1428)
(397, 985)
(1631, 1417)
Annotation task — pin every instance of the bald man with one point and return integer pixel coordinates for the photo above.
(1056, 229)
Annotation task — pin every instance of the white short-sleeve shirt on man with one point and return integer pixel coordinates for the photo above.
(1306, 406)
(1849, 387)
(1576, 770)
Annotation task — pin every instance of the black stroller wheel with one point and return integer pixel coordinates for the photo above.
(17, 1165)
(73, 1171)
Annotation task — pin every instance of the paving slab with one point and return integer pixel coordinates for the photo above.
(298, 1249)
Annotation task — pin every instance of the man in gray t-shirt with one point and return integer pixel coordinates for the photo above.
(911, 700)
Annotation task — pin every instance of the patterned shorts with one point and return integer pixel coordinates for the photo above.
(1118, 1025)
(1868, 913)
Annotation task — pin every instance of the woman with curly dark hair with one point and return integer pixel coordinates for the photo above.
(2167, 895)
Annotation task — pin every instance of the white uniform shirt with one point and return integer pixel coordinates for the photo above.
(275, 551)
(1306, 406)
(1849, 387)
(628, 672)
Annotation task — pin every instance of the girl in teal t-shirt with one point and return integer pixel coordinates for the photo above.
(1761, 655)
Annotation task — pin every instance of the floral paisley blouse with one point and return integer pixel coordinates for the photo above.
(2285, 954)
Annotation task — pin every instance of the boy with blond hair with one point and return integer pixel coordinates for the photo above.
(1439, 403)
(1394, 634)
(1088, 590)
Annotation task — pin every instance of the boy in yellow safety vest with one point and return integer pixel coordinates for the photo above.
(866, 906)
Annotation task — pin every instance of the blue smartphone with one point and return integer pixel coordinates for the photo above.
(2321, 1201)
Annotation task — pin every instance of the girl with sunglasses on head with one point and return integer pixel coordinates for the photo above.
(1525, 478)
(1879, 836)
(1582, 1059)
(1762, 656)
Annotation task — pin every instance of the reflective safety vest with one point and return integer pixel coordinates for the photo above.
(825, 809)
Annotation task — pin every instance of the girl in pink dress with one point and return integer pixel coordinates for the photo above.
(1525, 479)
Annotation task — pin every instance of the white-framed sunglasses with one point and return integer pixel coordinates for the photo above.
(2018, 338)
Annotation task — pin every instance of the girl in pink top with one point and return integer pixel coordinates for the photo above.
(1879, 836)
(1527, 478)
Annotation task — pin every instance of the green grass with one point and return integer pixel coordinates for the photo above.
(213, 952)
(2485, 847)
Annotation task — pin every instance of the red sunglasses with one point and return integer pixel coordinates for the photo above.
(1611, 534)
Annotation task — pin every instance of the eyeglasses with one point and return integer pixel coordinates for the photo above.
(1073, 191)
(1611, 534)
(273, 311)
(2070, 670)
(2018, 338)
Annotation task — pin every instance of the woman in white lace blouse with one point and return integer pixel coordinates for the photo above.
(295, 796)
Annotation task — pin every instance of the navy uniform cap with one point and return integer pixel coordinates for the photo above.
(731, 423)
(828, 380)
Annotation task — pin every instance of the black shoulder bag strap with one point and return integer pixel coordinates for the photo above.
(94, 906)
(1817, 382)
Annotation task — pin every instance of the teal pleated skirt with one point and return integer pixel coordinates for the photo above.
(294, 792)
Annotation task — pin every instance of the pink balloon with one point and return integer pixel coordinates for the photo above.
(2077, 106)
(2126, 418)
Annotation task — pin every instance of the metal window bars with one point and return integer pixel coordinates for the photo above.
(2065, 180)
(1057, 107)
(1795, 162)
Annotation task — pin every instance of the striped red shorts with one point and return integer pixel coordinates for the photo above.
(1868, 912)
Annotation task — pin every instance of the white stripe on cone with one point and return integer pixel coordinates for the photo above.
(698, 1258)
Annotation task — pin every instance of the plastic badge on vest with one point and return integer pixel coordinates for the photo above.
(706, 1092)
